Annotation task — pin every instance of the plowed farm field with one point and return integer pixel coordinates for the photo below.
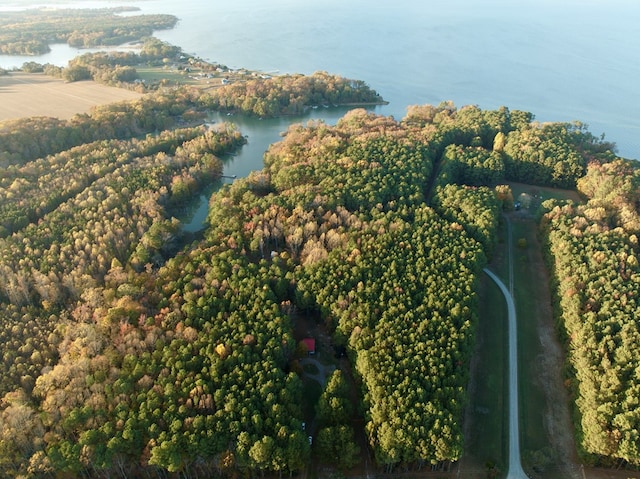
(34, 94)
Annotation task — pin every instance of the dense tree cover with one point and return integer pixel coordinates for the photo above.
(30, 32)
(104, 219)
(95, 223)
(154, 49)
(199, 387)
(119, 68)
(474, 207)
(593, 252)
(615, 187)
(446, 125)
(473, 166)
(335, 442)
(381, 165)
(401, 296)
(124, 357)
(30, 191)
(544, 154)
(289, 94)
(385, 275)
(492, 146)
(152, 52)
(27, 139)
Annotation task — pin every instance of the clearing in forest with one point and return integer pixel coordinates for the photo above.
(35, 94)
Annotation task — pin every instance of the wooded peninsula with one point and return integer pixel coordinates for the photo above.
(129, 349)
(32, 31)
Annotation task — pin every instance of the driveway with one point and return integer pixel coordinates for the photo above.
(324, 371)
(515, 465)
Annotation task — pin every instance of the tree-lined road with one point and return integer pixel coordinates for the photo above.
(515, 465)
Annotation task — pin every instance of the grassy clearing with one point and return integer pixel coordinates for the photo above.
(195, 76)
(35, 94)
(539, 389)
(157, 74)
(487, 429)
(487, 442)
(547, 442)
(532, 196)
(487, 412)
(533, 406)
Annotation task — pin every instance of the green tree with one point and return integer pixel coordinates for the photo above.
(76, 73)
(336, 445)
(334, 406)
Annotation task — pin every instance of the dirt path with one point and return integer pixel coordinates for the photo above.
(548, 364)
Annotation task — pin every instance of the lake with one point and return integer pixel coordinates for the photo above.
(563, 61)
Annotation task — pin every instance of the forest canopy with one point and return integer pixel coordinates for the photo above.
(131, 348)
(593, 254)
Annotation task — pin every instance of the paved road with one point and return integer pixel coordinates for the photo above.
(515, 465)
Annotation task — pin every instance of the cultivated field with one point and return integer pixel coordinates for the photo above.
(34, 94)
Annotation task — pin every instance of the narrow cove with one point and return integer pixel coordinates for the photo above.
(260, 133)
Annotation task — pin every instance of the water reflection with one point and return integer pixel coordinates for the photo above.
(59, 55)
(260, 134)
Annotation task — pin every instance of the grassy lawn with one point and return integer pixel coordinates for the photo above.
(534, 441)
(487, 415)
(537, 386)
(156, 74)
(535, 195)
(487, 443)
(194, 77)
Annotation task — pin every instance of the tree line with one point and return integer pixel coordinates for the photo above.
(289, 94)
(28, 139)
(593, 255)
(31, 31)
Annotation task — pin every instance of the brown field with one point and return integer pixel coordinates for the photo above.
(35, 94)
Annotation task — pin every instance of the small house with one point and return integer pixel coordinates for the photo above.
(310, 344)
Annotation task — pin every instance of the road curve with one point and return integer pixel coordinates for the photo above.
(515, 466)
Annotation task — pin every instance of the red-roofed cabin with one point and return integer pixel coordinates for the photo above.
(310, 344)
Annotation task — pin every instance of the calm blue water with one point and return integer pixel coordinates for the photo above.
(563, 60)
